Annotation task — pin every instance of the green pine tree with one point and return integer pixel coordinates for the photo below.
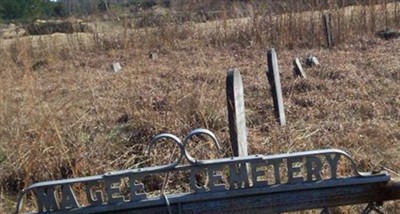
(25, 10)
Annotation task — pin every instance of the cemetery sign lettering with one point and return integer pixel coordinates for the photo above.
(237, 175)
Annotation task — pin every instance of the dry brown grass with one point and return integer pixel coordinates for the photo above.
(64, 114)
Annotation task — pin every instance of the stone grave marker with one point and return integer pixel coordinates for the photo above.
(312, 61)
(116, 67)
(298, 69)
(236, 113)
(276, 89)
(153, 55)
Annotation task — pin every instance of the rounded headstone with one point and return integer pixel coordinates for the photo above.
(236, 113)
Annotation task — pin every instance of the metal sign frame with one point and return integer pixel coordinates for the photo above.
(297, 184)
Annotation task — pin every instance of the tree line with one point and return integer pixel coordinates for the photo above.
(28, 10)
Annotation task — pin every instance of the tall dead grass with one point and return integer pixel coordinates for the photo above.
(64, 114)
(281, 25)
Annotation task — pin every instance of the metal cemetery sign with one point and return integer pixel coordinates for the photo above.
(236, 113)
(276, 183)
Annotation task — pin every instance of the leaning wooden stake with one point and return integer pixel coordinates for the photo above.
(276, 89)
(236, 113)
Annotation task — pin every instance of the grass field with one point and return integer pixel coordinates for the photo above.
(63, 113)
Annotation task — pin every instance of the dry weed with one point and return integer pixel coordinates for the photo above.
(63, 114)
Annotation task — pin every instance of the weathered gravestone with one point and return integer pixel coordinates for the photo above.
(236, 113)
(116, 67)
(312, 61)
(298, 69)
(276, 89)
(153, 55)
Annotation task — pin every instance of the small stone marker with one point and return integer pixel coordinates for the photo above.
(153, 55)
(276, 89)
(236, 113)
(116, 67)
(312, 61)
(298, 69)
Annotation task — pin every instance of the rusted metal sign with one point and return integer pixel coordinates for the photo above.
(275, 183)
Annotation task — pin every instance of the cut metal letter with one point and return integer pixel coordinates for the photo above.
(314, 167)
(136, 188)
(68, 200)
(214, 178)
(193, 180)
(238, 176)
(292, 169)
(333, 163)
(113, 190)
(276, 163)
(46, 199)
(256, 174)
(93, 195)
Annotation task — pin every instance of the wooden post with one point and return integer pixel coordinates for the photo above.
(276, 89)
(236, 113)
(328, 31)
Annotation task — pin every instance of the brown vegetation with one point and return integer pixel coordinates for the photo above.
(63, 114)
